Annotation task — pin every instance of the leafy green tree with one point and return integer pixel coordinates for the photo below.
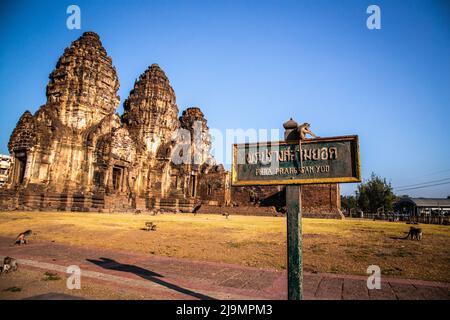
(375, 193)
(348, 203)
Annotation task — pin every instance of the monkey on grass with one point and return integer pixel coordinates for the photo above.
(414, 233)
(150, 226)
(22, 238)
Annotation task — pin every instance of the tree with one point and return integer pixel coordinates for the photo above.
(375, 193)
(348, 203)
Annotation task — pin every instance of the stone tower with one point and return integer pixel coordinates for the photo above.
(150, 111)
(55, 148)
(193, 120)
(83, 87)
(150, 115)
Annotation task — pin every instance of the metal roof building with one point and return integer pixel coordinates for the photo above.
(423, 206)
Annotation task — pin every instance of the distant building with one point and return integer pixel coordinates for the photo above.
(423, 206)
(5, 165)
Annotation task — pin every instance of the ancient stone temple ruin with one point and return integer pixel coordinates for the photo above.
(76, 153)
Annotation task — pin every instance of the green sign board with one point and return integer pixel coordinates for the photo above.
(311, 161)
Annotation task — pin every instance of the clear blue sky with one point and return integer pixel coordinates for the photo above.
(254, 64)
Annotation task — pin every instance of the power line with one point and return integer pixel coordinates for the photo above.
(427, 186)
(440, 171)
(429, 174)
(422, 183)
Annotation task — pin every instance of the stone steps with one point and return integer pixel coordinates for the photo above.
(48, 201)
(175, 205)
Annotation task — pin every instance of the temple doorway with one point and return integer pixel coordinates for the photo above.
(117, 178)
(193, 185)
(21, 164)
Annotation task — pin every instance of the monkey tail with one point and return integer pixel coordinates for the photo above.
(300, 152)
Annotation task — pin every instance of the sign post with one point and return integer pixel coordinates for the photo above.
(294, 242)
(294, 162)
(294, 226)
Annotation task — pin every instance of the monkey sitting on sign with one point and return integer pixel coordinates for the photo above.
(304, 129)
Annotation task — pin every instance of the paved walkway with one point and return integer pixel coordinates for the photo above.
(173, 278)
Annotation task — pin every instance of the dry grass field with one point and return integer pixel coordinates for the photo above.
(333, 246)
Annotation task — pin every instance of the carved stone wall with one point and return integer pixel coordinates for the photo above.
(259, 196)
(318, 201)
(214, 187)
(322, 200)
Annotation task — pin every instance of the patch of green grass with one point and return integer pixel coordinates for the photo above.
(50, 276)
(12, 289)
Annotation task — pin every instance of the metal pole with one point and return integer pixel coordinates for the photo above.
(294, 242)
(294, 224)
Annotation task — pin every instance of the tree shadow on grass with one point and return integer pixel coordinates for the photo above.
(110, 264)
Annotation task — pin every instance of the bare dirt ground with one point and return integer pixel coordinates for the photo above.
(330, 246)
(33, 283)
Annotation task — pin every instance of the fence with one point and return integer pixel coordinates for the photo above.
(443, 220)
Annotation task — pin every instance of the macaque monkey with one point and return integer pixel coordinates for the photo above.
(150, 226)
(9, 264)
(304, 129)
(414, 233)
(22, 238)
